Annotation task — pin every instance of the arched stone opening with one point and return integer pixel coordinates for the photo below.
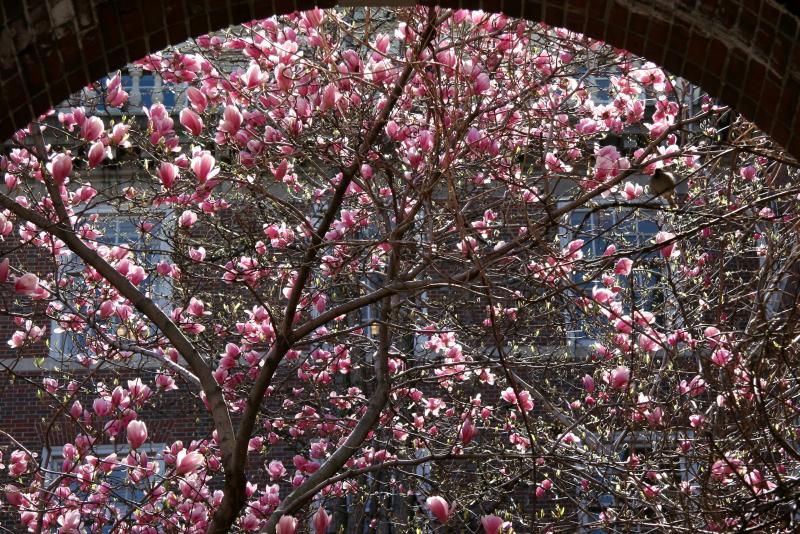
(743, 51)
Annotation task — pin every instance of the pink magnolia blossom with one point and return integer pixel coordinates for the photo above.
(696, 386)
(50, 385)
(13, 495)
(468, 431)
(654, 416)
(18, 463)
(712, 333)
(573, 250)
(231, 120)
(696, 420)
(251, 523)
(650, 74)
(162, 124)
(31, 333)
(319, 301)
(85, 193)
(187, 462)
(4, 270)
(721, 357)
(60, 167)
(659, 127)
(748, 173)
(525, 401)
(666, 110)
(102, 407)
(491, 524)
(191, 121)
(139, 391)
(723, 468)
(97, 153)
(92, 129)
(119, 135)
(666, 250)
(619, 377)
(70, 522)
(756, 480)
(203, 167)
(766, 213)
(587, 126)
(27, 284)
(650, 491)
(648, 343)
(197, 254)
(137, 433)
(168, 174)
(588, 383)
(196, 307)
(330, 97)
(544, 62)
(481, 84)
(76, 410)
(313, 17)
(197, 99)
(439, 508)
(136, 274)
(555, 165)
(632, 191)
(321, 521)
(115, 95)
(276, 470)
(165, 382)
(253, 77)
(286, 525)
(187, 218)
(602, 295)
(608, 163)
(256, 443)
(569, 438)
(467, 246)
(623, 266)
(283, 78)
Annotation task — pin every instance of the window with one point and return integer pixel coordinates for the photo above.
(369, 317)
(644, 290)
(629, 229)
(600, 89)
(148, 88)
(148, 250)
(123, 491)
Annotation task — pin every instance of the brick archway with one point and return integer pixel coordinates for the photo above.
(745, 52)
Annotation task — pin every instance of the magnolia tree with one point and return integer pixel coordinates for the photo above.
(409, 265)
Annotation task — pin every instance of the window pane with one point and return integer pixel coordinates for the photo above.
(629, 229)
(116, 230)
